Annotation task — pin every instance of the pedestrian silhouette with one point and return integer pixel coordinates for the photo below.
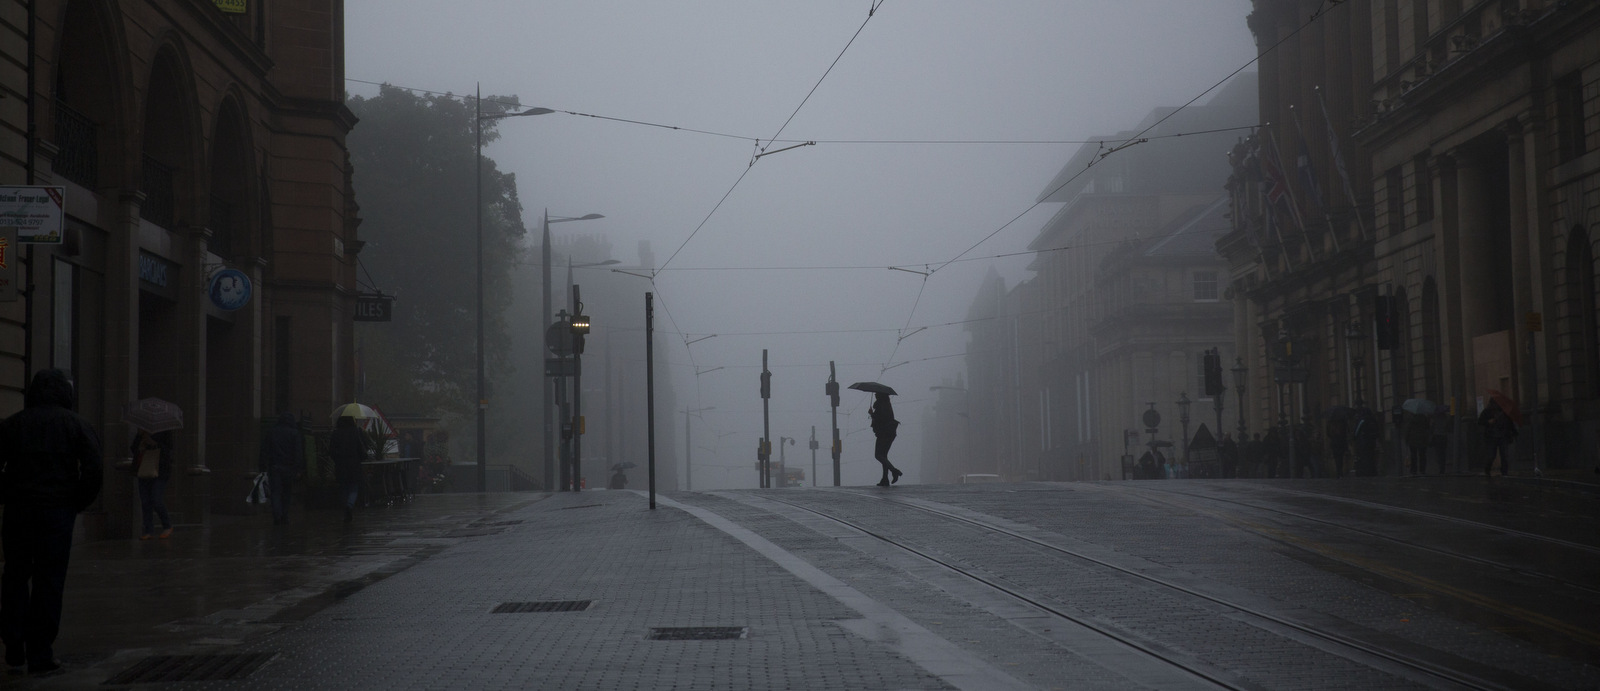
(347, 446)
(50, 466)
(152, 463)
(283, 457)
(883, 426)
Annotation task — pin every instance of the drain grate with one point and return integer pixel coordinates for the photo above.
(699, 633)
(546, 606)
(167, 668)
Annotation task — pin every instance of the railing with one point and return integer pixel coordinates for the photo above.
(78, 139)
(160, 202)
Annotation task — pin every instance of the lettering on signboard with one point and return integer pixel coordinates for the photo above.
(152, 270)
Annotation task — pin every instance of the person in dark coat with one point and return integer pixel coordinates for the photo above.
(1305, 449)
(282, 458)
(1366, 442)
(348, 449)
(884, 427)
(153, 478)
(1229, 452)
(49, 472)
(1419, 437)
(1338, 431)
(1442, 426)
(1498, 433)
(1272, 448)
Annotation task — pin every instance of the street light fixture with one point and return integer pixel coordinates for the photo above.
(477, 213)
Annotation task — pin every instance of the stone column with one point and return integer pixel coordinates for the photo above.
(1475, 261)
(1522, 266)
(121, 361)
(188, 493)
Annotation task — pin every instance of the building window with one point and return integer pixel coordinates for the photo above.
(1422, 187)
(64, 308)
(1570, 125)
(1205, 286)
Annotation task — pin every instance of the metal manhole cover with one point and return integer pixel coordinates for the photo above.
(546, 606)
(473, 532)
(698, 633)
(168, 668)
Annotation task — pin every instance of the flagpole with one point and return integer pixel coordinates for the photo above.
(1294, 204)
(1338, 163)
(1311, 178)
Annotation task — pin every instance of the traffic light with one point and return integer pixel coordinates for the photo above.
(1387, 322)
(832, 389)
(1214, 385)
(580, 328)
(766, 384)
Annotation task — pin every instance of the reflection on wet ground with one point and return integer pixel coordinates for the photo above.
(240, 575)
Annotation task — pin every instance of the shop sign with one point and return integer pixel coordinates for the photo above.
(154, 270)
(229, 290)
(374, 308)
(34, 212)
(231, 6)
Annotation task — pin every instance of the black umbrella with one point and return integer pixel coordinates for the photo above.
(873, 387)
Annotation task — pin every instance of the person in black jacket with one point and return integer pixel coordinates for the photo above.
(347, 446)
(883, 427)
(153, 478)
(49, 471)
(283, 455)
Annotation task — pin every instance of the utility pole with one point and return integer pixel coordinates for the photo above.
(766, 423)
(577, 393)
(833, 396)
(813, 455)
(549, 386)
(650, 387)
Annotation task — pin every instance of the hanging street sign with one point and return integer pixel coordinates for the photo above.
(374, 308)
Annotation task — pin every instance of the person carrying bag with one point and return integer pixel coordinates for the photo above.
(152, 462)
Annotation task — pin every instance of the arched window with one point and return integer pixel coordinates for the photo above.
(229, 218)
(1585, 323)
(1432, 367)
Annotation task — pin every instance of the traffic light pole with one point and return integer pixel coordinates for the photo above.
(577, 399)
(650, 391)
(766, 423)
(833, 395)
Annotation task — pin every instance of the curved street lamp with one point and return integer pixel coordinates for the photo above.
(549, 386)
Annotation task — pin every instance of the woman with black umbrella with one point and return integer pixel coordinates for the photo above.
(883, 427)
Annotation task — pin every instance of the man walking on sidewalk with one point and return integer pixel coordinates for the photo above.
(283, 456)
(50, 470)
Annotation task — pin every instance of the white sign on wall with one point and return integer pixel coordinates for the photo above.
(35, 212)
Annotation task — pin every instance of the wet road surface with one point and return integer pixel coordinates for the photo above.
(1434, 582)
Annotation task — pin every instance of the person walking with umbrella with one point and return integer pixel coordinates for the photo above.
(884, 427)
(152, 463)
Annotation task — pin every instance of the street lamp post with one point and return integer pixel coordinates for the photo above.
(1355, 336)
(1183, 419)
(688, 467)
(549, 386)
(477, 213)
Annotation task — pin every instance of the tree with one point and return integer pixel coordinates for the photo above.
(414, 164)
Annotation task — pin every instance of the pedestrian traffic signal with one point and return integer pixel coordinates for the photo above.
(766, 384)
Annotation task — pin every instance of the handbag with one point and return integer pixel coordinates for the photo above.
(150, 464)
(258, 490)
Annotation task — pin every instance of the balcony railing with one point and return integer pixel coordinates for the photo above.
(160, 202)
(77, 137)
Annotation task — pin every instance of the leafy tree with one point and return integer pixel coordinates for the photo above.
(414, 163)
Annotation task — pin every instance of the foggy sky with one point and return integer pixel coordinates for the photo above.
(920, 70)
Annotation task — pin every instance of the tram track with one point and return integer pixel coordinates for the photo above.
(1395, 540)
(1357, 651)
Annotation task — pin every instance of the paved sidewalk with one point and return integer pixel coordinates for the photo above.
(209, 588)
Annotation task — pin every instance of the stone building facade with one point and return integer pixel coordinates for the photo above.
(1067, 359)
(189, 140)
(1467, 129)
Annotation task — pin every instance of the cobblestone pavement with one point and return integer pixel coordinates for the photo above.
(1451, 582)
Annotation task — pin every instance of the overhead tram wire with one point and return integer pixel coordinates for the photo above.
(1322, 9)
(870, 14)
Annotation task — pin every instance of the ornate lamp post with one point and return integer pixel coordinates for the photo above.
(1183, 419)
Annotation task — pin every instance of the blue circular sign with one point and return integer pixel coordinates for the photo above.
(230, 289)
